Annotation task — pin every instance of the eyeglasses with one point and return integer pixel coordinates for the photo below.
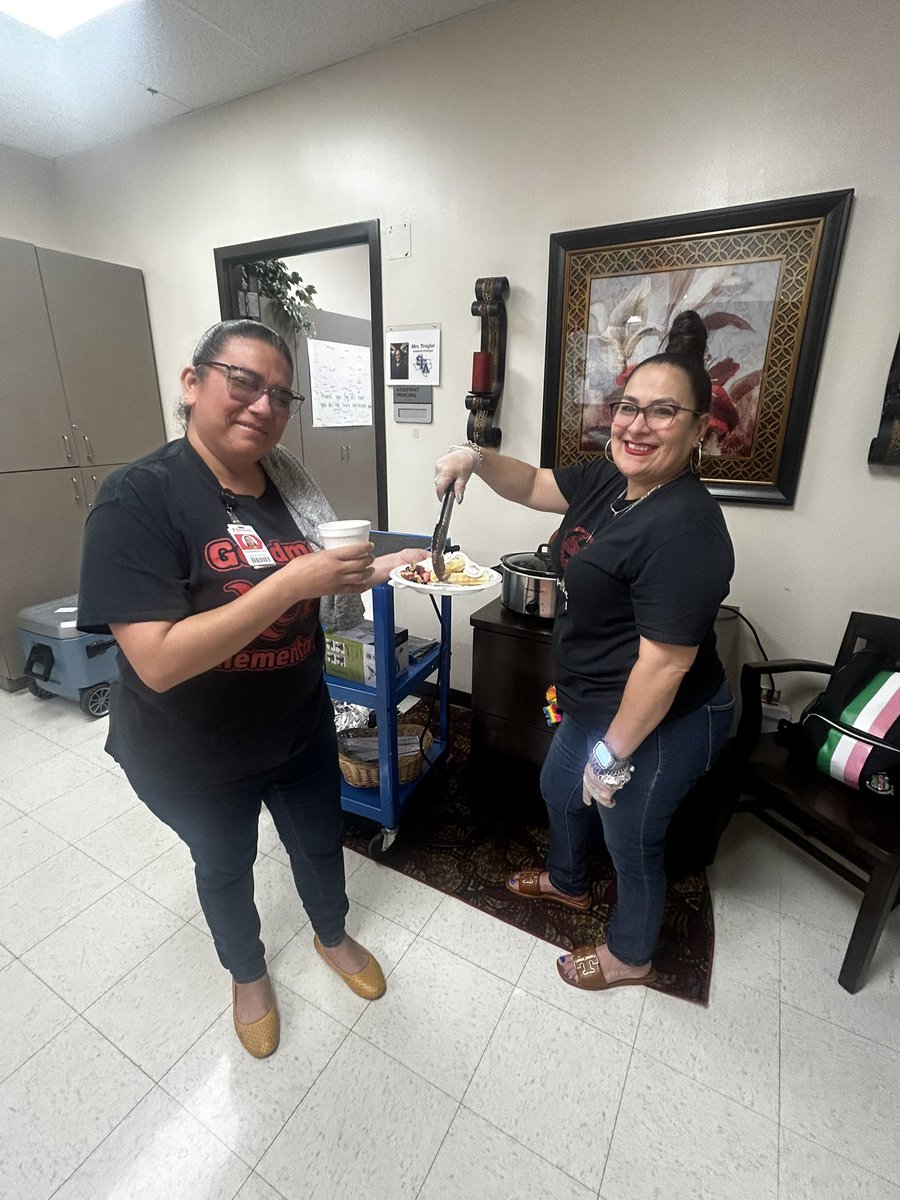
(657, 416)
(247, 386)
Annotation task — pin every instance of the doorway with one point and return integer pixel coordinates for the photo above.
(347, 462)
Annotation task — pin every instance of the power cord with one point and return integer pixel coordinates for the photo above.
(736, 613)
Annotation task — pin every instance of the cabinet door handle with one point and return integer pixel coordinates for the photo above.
(348, 454)
(87, 447)
(342, 453)
(68, 447)
(96, 489)
(77, 493)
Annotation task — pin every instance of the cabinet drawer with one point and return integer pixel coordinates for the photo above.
(494, 739)
(510, 677)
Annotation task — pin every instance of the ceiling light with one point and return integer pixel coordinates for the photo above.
(56, 17)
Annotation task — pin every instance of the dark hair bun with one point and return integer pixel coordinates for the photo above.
(687, 336)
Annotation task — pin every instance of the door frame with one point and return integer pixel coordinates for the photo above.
(359, 233)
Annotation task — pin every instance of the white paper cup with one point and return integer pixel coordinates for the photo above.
(343, 533)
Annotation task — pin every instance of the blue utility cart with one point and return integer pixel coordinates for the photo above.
(386, 802)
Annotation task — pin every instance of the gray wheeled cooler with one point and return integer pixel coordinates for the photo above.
(62, 661)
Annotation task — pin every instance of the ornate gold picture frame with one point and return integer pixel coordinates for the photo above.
(762, 278)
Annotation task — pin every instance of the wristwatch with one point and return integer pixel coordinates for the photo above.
(612, 772)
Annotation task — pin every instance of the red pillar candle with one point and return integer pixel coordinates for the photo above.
(481, 371)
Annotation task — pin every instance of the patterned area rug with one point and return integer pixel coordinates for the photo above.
(465, 843)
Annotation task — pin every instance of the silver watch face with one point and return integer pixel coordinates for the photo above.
(602, 757)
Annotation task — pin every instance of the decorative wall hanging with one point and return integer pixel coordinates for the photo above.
(489, 363)
(885, 447)
(761, 276)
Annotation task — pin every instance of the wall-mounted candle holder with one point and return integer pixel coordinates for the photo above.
(885, 447)
(488, 363)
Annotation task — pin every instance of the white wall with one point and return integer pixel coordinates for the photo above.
(340, 277)
(29, 204)
(493, 131)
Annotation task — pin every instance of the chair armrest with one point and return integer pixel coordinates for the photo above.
(776, 665)
(750, 723)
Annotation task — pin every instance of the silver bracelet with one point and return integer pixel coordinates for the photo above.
(612, 772)
(470, 446)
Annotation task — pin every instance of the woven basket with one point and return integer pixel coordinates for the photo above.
(409, 766)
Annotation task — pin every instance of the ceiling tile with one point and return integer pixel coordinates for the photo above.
(419, 14)
(43, 127)
(59, 96)
(161, 44)
(306, 35)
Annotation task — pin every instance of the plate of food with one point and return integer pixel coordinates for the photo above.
(462, 575)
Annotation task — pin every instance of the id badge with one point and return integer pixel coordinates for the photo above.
(252, 547)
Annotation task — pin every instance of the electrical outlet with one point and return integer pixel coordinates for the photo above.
(772, 714)
(770, 695)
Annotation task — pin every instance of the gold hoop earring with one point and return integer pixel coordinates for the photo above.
(606, 453)
(695, 466)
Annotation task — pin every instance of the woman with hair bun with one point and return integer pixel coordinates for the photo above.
(643, 561)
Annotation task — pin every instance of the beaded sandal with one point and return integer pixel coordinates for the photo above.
(528, 886)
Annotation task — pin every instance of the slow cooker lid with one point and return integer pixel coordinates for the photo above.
(528, 564)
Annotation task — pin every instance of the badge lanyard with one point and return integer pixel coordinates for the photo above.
(252, 547)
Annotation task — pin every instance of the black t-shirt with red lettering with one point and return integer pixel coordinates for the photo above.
(157, 548)
(659, 571)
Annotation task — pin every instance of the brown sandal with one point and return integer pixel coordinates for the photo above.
(589, 975)
(529, 888)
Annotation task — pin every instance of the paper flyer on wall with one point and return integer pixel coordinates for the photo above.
(341, 384)
(412, 355)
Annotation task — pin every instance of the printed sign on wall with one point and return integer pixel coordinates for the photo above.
(413, 355)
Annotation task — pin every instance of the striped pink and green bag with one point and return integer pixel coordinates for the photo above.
(854, 725)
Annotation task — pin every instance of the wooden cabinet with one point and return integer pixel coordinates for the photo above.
(78, 397)
(98, 314)
(36, 427)
(512, 668)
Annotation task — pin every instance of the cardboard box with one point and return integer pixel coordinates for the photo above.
(350, 653)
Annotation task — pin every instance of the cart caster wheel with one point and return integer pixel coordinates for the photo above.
(94, 701)
(380, 845)
(36, 690)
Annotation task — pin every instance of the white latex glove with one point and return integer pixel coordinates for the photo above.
(455, 469)
(592, 789)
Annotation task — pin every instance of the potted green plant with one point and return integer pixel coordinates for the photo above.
(291, 296)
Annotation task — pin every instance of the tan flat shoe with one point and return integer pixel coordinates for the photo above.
(368, 983)
(259, 1038)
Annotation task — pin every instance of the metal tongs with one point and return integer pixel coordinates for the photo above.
(439, 537)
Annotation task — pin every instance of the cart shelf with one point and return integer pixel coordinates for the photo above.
(386, 802)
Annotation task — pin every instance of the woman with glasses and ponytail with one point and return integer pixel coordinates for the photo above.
(643, 560)
(202, 560)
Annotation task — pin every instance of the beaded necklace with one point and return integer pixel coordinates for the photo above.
(620, 512)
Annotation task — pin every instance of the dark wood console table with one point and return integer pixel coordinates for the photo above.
(511, 671)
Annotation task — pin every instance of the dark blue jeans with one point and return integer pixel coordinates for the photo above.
(666, 765)
(220, 830)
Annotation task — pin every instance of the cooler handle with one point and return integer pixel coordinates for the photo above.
(40, 662)
(93, 649)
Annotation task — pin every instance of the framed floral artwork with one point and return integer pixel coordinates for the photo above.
(761, 276)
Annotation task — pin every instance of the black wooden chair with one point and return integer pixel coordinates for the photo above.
(830, 821)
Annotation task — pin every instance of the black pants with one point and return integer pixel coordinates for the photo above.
(220, 829)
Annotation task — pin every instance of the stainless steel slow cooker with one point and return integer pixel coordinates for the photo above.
(529, 584)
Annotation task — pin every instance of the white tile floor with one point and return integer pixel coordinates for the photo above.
(479, 1075)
